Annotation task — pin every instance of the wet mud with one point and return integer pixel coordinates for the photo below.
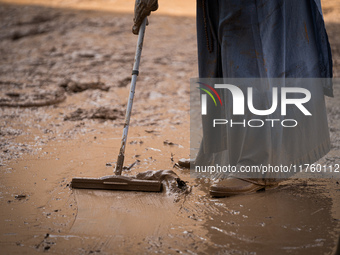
(64, 85)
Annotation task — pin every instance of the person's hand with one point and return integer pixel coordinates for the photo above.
(143, 8)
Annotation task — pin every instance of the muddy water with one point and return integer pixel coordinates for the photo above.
(298, 217)
(42, 148)
(285, 220)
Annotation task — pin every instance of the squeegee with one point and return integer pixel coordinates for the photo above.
(117, 181)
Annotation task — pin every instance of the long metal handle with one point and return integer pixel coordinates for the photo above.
(135, 72)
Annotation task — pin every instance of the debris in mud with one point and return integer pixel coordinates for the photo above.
(76, 87)
(176, 165)
(136, 142)
(20, 197)
(170, 180)
(167, 142)
(184, 163)
(30, 97)
(127, 168)
(151, 131)
(101, 113)
(45, 244)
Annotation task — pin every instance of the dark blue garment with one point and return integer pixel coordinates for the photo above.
(264, 39)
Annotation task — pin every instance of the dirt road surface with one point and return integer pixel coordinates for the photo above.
(64, 81)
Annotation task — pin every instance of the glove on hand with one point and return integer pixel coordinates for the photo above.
(143, 8)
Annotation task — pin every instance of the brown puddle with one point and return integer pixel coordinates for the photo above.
(299, 217)
(42, 149)
(286, 220)
(294, 218)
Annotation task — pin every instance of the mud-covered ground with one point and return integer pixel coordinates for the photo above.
(64, 83)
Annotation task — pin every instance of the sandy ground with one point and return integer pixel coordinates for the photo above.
(72, 66)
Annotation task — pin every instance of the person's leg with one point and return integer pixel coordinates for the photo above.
(270, 39)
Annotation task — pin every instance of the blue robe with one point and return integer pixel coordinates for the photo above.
(264, 39)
